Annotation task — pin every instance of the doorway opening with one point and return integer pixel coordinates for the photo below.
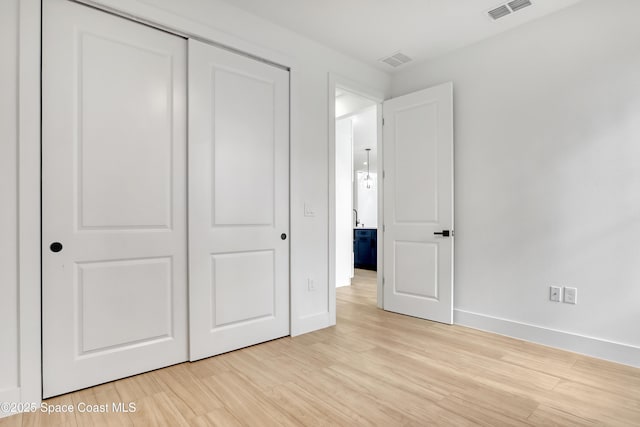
(356, 257)
(414, 225)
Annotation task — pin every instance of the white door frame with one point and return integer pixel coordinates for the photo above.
(337, 81)
(29, 102)
(29, 219)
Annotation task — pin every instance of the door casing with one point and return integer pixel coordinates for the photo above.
(337, 81)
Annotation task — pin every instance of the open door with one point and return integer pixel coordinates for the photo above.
(418, 204)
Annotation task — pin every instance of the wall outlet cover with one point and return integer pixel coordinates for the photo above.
(570, 295)
(554, 293)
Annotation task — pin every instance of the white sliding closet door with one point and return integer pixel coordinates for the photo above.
(114, 198)
(238, 201)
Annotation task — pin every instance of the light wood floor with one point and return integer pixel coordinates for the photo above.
(373, 368)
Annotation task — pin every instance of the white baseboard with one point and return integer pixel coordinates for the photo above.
(346, 283)
(312, 323)
(9, 396)
(589, 346)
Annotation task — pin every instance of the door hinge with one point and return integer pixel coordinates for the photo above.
(382, 280)
(384, 174)
(384, 228)
(383, 121)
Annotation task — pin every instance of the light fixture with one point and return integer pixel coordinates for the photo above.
(368, 179)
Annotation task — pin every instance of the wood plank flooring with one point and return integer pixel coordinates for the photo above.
(373, 368)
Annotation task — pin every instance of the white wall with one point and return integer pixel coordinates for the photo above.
(367, 199)
(365, 135)
(9, 351)
(349, 103)
(547, 177)
(344, 202)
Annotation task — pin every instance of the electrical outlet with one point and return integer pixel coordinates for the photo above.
(570, 295)
(554, 293)
(311, 284)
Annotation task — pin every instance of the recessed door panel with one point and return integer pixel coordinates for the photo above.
(238, 201)
(243, 287)
(243, 148)
(121, 303)
(124, 137)
(113, 197)
(416, 164)
(416, 272)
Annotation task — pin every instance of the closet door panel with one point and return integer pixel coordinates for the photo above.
(238, 201)
(114, 198)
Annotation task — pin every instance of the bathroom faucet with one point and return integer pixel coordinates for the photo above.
(357, 220)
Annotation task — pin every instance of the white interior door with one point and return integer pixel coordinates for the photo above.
(238, 201)
(114, 198)
(418, 204)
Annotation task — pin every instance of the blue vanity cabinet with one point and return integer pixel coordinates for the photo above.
(365, 248)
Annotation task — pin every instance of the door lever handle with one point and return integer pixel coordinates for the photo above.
(443, 233)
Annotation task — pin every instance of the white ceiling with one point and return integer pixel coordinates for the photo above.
(372, 29)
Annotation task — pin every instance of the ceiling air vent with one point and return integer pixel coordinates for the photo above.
(499, 12)
(516, 5)
(395, 60)
(508, 8)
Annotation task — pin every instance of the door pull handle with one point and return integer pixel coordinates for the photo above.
(443, 233)
(55, 247)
